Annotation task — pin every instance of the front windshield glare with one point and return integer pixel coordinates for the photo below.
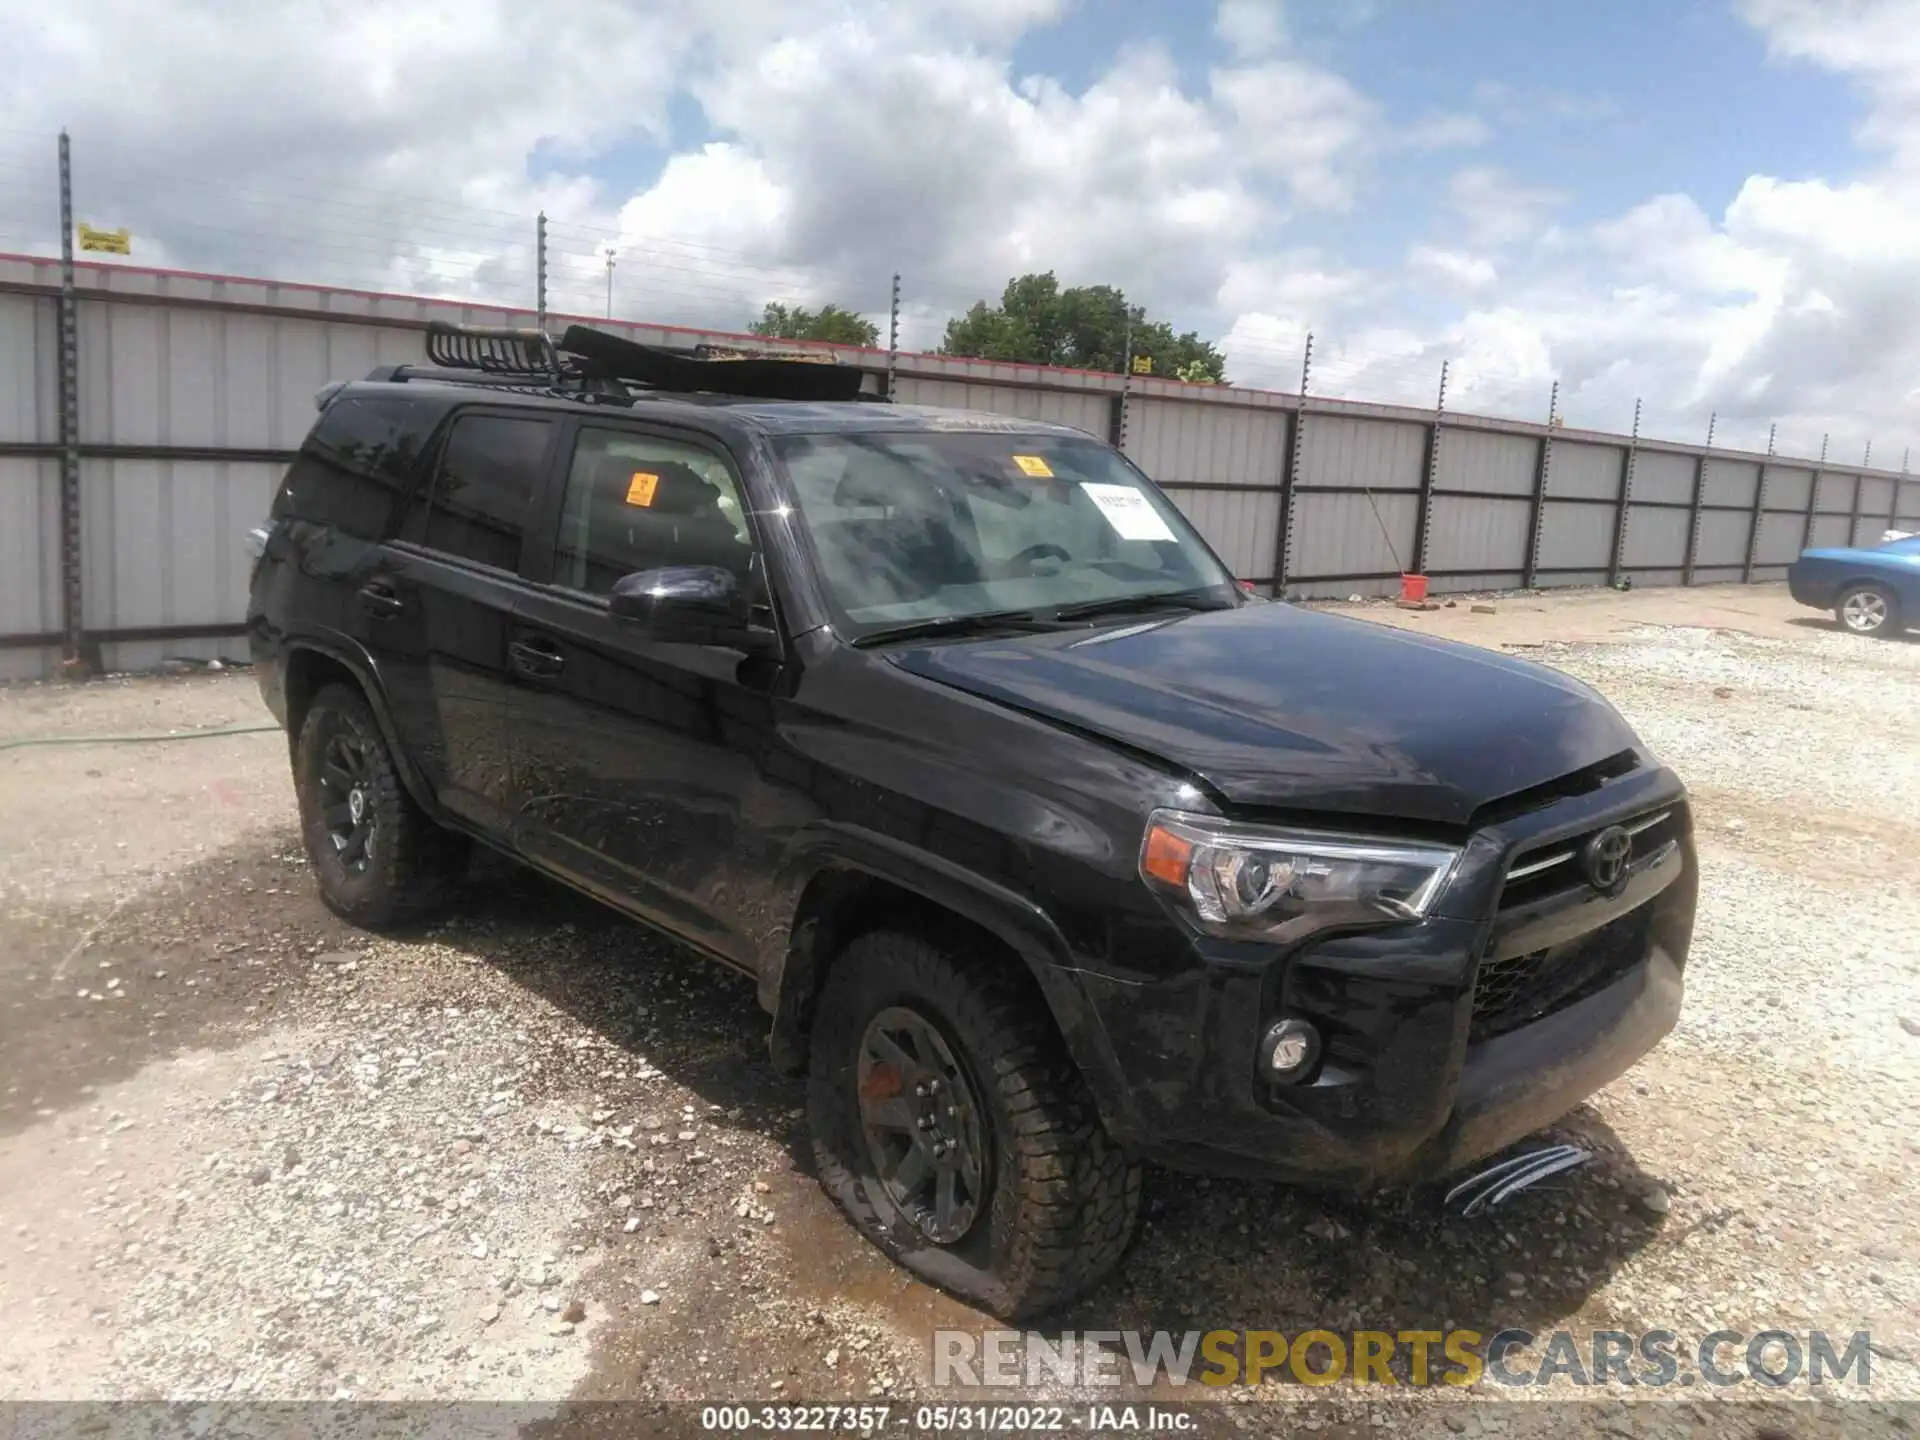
(916, 527)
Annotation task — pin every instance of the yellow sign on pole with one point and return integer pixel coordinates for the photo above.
(1143, 364)
(112, 242)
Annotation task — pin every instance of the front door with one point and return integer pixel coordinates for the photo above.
(637, 764)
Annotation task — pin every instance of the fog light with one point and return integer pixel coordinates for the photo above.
(1288, 1050)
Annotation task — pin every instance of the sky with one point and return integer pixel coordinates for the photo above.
(1708, 206)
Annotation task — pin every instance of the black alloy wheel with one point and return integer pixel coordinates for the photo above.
(921, 1116)
(347, 787)
(377, 856)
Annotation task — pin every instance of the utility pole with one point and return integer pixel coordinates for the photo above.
(611, 252)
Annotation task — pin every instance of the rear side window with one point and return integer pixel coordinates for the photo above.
(354, 465)
(482, 492)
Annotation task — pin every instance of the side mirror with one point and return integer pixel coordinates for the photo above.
(688, 605)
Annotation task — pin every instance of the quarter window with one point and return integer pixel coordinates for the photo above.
(355, 463)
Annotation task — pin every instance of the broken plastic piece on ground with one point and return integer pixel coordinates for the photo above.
(1488, 1188)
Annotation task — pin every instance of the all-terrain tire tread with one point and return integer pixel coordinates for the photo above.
(418, 860)
(1077, 1193)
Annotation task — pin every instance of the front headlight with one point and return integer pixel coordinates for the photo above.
(1251, 882)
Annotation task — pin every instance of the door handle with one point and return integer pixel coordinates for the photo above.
(377, 597)
(534, 657)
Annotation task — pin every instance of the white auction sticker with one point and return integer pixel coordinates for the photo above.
(1128, 512)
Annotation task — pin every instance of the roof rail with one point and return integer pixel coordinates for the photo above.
(592, 365)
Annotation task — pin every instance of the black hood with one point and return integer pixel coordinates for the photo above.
(1275, 706)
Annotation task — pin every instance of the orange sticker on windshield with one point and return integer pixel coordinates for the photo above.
(1033, 465)
(641, 487)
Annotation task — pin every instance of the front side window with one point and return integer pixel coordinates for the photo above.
(640, 502)
(482, 491)
(930, 526)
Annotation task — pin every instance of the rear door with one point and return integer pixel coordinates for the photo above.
(439, 605)
(638, 764)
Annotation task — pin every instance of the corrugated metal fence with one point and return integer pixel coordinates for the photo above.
(194, 391)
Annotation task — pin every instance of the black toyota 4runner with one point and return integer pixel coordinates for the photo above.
(1051, 850)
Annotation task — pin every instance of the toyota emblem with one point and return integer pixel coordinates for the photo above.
(1606, 859)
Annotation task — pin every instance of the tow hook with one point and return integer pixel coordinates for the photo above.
(1490, 1187)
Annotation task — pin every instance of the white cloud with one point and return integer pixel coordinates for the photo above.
(1454, 269)
(1445, 131)
(1298, 124)
(397, 146)
(1251, 28)
(1876, 42)
(1492, 208)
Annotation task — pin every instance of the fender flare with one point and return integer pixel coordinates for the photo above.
(366, 673)
(790, 975)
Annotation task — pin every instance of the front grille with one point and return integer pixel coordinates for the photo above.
(1523, 988)
(1551, 868)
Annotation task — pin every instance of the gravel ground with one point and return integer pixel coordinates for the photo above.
(537, 1154)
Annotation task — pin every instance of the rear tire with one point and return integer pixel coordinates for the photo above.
(1053, 1203)
(1868, 610)
(377, 857)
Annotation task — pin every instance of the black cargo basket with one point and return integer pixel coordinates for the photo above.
(492, 351)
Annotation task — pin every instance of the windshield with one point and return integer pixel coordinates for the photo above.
(918, 527)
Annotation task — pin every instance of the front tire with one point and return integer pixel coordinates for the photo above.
(953, 1129)
(1869, 610)
(377, 857)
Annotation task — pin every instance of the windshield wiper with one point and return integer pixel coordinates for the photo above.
(1135, 604)
(960, 625)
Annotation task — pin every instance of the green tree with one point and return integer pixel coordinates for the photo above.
(829, 323)
(1084, 326)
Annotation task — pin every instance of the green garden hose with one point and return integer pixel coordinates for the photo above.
(135, 739)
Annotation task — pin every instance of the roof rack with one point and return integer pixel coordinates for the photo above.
(592, 365)
(492, 351)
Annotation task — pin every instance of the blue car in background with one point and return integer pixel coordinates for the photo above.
(1872, 591)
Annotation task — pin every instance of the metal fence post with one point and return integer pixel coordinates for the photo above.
(893, 335)
(1693, 517)
(1530, 571)
(1893, 505)
(1290, 476)
(77, 657)
(540, 272)
(1759, 509)
(1626, 500)
(1813, 496)
(1859, 486)
(1423, 518)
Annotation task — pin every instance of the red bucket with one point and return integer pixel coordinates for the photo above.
(1413, 588)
